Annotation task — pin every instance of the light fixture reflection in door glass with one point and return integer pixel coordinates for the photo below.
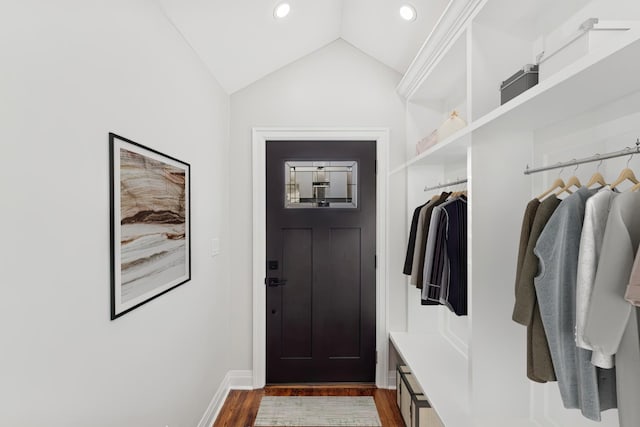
(321, 184)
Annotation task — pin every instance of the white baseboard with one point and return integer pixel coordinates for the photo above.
(233, 380)
(241, 380)
(391, 382)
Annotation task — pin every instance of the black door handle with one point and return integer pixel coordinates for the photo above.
(274, 281)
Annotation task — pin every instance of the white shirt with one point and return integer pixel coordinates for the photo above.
(595, 221)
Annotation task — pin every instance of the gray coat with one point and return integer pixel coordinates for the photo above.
(557, 249)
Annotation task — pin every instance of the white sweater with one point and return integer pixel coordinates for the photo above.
(595, 220)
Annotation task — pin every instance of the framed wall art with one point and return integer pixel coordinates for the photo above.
(150, 227)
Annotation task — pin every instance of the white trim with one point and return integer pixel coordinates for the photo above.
(216, 403)
(259, 138)
(240, 380)
(233, 380)
(451, 23)
(391, 380)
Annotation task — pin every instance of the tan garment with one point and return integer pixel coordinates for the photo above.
(526, 310)
(633, 290)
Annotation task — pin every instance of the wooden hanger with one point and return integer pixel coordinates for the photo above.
(625, 175)
(558, 183)
(462, 192)
(571, 182)
(596, 178)
(635, 187)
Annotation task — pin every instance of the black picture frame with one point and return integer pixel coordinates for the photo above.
(150, 224)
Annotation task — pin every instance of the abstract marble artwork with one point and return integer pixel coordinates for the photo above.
(150, 224)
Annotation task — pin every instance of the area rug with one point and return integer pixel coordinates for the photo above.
(317, 411)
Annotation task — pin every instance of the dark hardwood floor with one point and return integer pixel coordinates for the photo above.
(241, 407)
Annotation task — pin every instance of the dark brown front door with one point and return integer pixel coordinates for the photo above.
(321, 288)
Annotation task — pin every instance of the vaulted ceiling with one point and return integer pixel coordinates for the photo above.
(240, 41)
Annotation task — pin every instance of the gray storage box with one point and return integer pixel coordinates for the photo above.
(518, 83)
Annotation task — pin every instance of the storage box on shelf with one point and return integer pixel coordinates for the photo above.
(523, 80)
(449, 127)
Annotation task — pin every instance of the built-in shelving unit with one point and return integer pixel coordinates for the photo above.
(582, 86)
(473, 368)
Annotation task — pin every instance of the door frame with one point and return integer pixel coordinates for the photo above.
(260, 135)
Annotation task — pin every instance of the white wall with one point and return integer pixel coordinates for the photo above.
(336, 86)
(72, 71)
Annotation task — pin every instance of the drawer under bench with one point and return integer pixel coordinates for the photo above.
(414, 406)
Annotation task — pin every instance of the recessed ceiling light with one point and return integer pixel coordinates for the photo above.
(408, 12)
(281, 10)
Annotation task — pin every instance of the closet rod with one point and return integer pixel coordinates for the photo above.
(595, 158)
(448, 184)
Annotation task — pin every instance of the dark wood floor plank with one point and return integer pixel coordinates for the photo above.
(241, 406)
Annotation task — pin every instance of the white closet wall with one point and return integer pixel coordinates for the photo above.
(473, 368)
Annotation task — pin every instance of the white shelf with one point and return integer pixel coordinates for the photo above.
(441, 371)
(451, 150)
(594, 80)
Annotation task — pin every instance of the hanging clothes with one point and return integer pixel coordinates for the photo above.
(411, 245)
(596, 214)
(421, 242)
(557, 249)
(526, 310)
(445, 266)
(611, 324)
(525, 232)
(454, 290)
(595, 220)
(433, 257)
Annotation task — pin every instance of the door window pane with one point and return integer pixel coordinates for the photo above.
(321, 184)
